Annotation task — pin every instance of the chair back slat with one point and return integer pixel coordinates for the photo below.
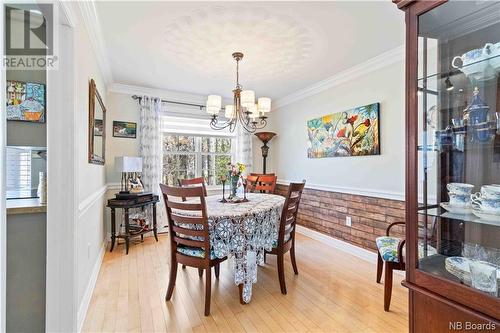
(289, 215)
(266, 184)
(193, 182)
(188, 232)
(184, 206)
(251, 183)
(187, 220)
(189, 242)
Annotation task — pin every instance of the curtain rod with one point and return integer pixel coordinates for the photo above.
(139, 98)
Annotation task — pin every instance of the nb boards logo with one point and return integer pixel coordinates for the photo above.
(30, 36)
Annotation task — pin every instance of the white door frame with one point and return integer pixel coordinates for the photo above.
(61, 277)
(3, 173)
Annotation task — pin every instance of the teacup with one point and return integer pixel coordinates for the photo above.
(486, 205)
(472, 61)
(490, 192)
(459, 200)
(460, 188)
(495, 56)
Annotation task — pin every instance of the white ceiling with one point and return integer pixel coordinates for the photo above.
(187, 46)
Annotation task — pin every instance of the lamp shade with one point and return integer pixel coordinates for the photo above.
(254, 111)
(264, 104)
(128, 164)
(229, 111)
(247, 98)
(214, 104)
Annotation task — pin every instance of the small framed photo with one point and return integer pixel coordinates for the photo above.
(124, 129)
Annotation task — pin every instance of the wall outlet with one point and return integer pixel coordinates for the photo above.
(348, 221)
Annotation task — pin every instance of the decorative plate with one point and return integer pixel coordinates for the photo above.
(456, 210)
(459, 266)
(494, 218)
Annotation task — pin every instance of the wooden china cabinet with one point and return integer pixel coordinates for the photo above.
(452, 136)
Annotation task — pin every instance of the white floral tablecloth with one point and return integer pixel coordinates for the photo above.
(242, 231)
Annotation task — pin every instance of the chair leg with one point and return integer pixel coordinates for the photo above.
(171, 282)
(387, 285)
(217, 270)
(281, 273)
(265, 257)
(200, 272)
(380, 264)
(208, 291)
(292, 258)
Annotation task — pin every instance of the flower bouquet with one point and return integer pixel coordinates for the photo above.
(235, 172)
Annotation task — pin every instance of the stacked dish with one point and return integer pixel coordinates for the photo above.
(486, 204)
(460, 198)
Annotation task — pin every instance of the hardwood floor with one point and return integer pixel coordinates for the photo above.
(334, 292)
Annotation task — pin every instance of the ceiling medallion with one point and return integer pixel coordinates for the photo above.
(244, 110)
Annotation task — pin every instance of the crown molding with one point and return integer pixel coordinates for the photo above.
(382, 60)
(93, 27)
(175, 96)
(68, 12)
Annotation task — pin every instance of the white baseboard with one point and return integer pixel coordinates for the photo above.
(338, 244)
(84, 305)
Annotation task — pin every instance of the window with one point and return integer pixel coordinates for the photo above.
(189, 156)
(18, 172)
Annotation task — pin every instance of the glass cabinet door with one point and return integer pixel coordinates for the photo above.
(459, 144)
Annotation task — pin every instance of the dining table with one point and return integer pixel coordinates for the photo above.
(242, 232)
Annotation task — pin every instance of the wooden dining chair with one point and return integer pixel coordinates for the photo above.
(199, 181)
(251, 183)
(390, 257)
(286, 234)
(266, 184)
(189, 236)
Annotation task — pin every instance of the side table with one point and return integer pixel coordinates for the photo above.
(126, 204)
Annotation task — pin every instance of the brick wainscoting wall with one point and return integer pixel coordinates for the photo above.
(326, 212)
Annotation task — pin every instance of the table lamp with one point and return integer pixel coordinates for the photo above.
(127, 165)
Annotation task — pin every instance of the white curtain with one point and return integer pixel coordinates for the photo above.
(241, 149)
(150, 151)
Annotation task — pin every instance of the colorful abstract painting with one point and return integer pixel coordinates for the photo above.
(26, 101)
(353, 132)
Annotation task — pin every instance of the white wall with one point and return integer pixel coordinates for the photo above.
(119, 107)
(90, 229)
(381, 175)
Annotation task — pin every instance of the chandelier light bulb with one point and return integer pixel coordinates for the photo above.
(247, 98)
(214, 104)
(229, 111)
(264, 104)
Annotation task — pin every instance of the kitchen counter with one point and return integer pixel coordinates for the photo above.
(25, 206)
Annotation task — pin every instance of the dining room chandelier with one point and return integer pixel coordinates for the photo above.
(244, 110)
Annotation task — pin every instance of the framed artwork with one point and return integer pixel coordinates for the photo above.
(124, 129)
(353, 132)
(25, 101)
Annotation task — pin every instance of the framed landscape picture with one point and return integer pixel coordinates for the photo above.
(25, 101)
(353, 132)
(124, 129)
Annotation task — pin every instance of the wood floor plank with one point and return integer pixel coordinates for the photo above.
(334, 292)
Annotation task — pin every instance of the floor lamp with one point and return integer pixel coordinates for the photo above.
(265, 137)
